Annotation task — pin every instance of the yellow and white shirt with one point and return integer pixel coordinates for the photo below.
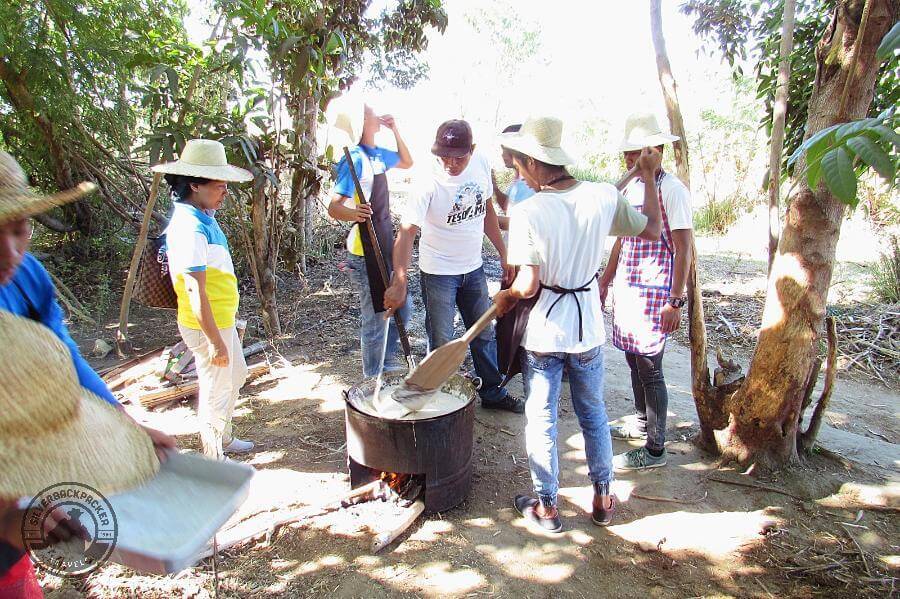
(195, 242)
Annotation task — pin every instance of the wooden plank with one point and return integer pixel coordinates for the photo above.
(157, 398)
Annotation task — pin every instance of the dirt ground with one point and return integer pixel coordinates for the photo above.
(687, 530)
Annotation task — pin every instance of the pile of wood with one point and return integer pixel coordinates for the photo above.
(168, 374)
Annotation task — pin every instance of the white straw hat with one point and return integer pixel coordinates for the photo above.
(17, 200)
(345, 117)
(204, 158)
(642, 130)
(52, 430)
(540, 138)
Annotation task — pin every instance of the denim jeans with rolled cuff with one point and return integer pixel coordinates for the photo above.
(651, 399)
(443, 295)
(372, 324)
(542, 374)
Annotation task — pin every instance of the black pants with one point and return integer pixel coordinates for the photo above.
(651, 400)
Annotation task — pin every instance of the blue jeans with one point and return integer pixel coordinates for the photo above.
(543, 383)
(371, 325)
(442, 295)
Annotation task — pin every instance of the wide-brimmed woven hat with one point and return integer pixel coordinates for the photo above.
(642, 130)
(344, 118)
(17, 200)
(204, 158)
(541, 138)
(51, 429)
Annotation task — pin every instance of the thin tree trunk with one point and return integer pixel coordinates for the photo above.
(670, 93)
(779, 115)
(707, 400)
(763, 416)
(304, 181)
(265, 259)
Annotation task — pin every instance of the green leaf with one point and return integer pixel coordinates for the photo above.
(173, 82)
(837, 167)
(825, 136)
(890, 43)
(286, 45)
(852, 128)
(335, 44)
(887, 134)
(872, 154)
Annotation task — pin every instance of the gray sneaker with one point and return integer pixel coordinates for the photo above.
(638, 459)
(626, 432)
(238, 446)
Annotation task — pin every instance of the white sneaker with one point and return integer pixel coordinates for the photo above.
(238, 446)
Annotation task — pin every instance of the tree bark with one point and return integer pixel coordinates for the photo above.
(670, 93)
(763, 416)
(707, 398)
(265, 258)
(304, 181)
(779, 115)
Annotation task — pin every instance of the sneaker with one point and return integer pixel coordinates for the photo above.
(627, 432)
(602, 516)
(638, 459)
(528, 507)
(508, 402)
(238, 446)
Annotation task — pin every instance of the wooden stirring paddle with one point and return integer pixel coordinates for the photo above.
(438, 366)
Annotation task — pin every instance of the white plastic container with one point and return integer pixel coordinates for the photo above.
(164, 525)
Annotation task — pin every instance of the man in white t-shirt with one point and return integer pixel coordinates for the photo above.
(556, 238)
(454, 212)
(648, 279)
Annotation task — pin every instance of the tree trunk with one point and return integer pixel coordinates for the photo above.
(264, 259)
(670, 93)
(708, 399)
(763, 416)
(779, 115)
(305, 182)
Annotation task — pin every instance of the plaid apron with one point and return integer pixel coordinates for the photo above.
(641, 288)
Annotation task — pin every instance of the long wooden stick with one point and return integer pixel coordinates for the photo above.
(379, 258)
(385, 538)
(123, 346)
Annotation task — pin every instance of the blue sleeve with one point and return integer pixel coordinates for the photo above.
(52, 317)
(343, 180)
(390, 158)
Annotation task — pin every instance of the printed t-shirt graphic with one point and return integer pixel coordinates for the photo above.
(195, 242)
(450, 212)
(368, 162)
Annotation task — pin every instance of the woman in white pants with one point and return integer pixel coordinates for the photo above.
(203, 275)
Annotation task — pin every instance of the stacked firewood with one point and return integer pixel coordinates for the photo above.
(162, 376)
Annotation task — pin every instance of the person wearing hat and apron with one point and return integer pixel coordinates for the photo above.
(648, 280)
(556, 240)
(55, 430)
(454, 212)
(206, 287)
(370, 163)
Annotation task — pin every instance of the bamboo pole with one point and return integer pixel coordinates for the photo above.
(123, 345)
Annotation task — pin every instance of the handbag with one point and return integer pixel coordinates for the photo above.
(153, 285)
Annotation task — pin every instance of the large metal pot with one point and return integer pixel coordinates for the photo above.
(438, 448)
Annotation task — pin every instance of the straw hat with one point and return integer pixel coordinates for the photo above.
(51, 429)
(344, 117)
(18, 201)
(540, 138)
(642, 130)
(204, 158)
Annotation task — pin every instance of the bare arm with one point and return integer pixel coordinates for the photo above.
(503, 221)
(492, 230)
(195, 285)
(395, 295)
(649, 163)
(682, 240)
(526, 284)
(406, 160)
(338, 210)
(609, 273)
